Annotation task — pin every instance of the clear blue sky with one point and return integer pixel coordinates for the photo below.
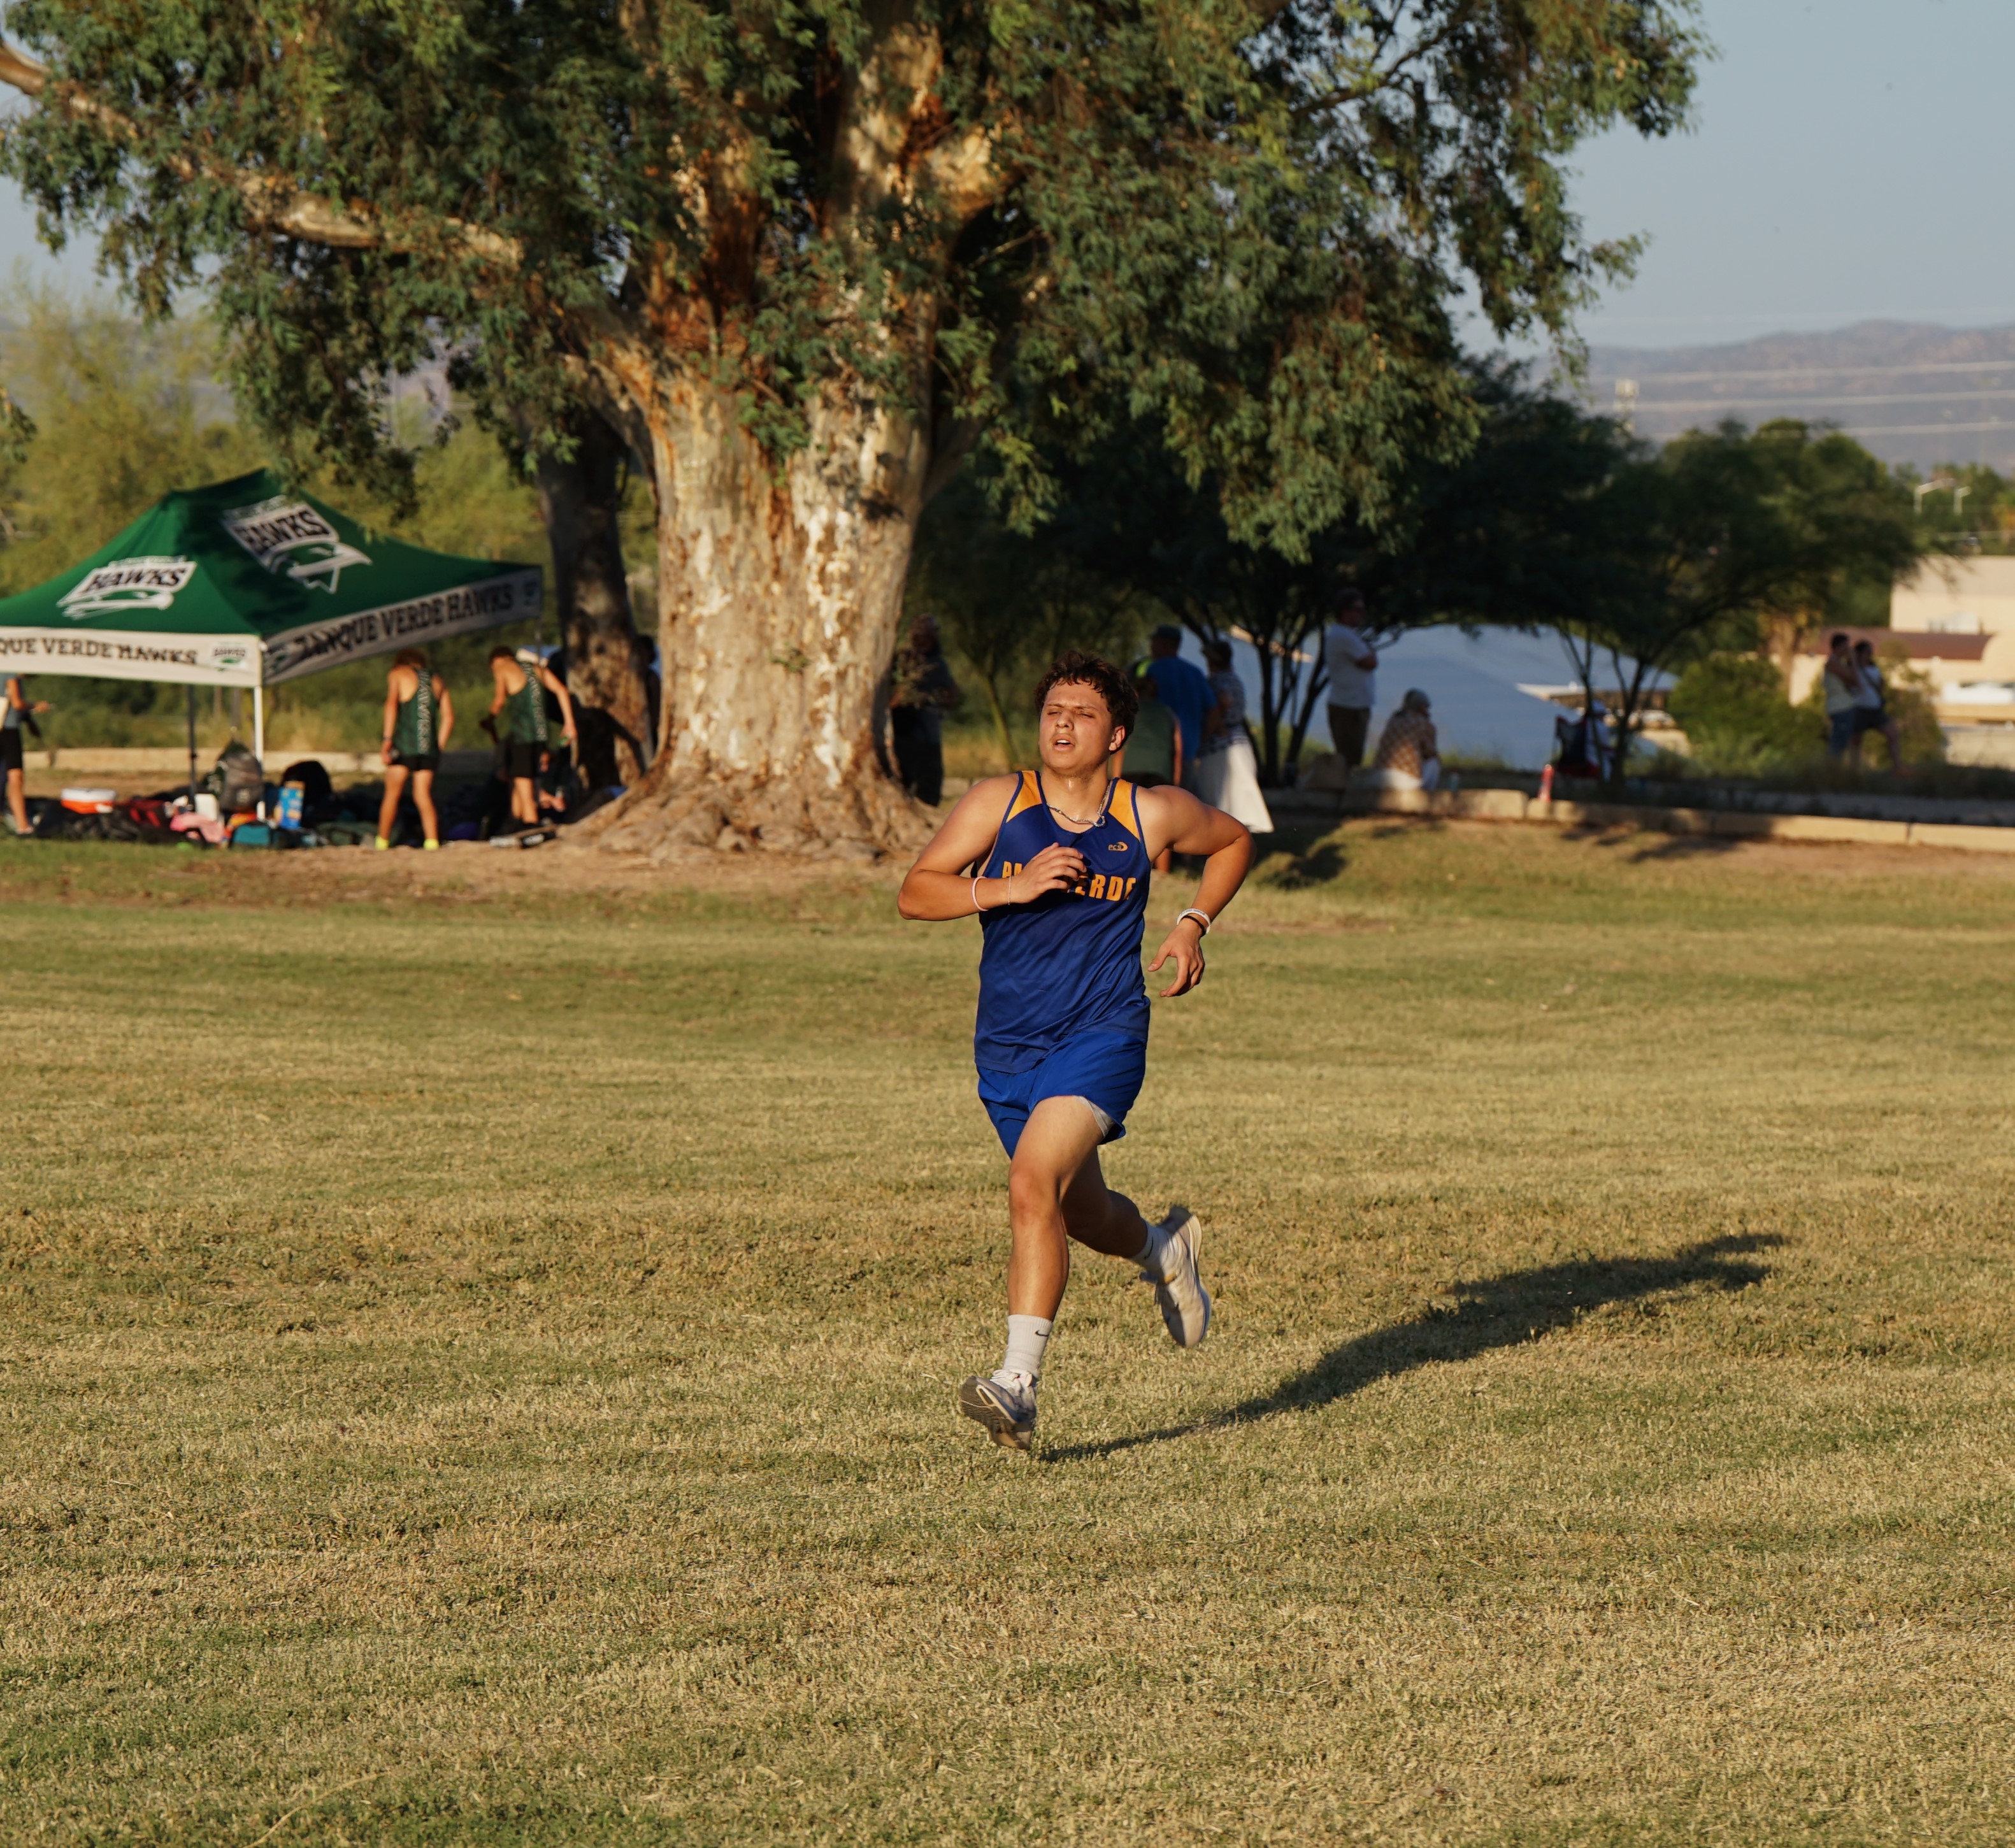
(1847, 163)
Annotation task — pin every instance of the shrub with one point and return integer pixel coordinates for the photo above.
(1738, 722)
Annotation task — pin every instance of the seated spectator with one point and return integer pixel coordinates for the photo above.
(1409, 757)
(1582, 746)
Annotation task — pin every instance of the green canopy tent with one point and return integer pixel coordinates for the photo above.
(244, 584)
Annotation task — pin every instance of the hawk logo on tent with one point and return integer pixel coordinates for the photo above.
(129, 583)
(275, 531)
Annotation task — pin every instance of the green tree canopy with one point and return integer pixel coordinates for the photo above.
(807, 255)
(1725, 532)
(1507, 534)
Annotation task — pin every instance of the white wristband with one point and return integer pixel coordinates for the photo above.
(976, 906)
(1202, 917)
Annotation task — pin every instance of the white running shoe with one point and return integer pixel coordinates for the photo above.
(1185, 1303)
(1006, 1407)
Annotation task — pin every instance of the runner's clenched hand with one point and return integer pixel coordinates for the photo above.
(1055, 869)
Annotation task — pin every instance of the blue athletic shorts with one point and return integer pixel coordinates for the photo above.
(1106, 1069)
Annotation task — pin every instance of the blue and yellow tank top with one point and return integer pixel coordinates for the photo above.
(1070, 963)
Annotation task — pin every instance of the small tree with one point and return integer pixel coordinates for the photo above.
(1738, 721)
(1703, 544)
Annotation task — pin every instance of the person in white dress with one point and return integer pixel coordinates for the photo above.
(1227, 772)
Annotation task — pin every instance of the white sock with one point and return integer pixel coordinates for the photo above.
(1027, 1336)
(1153, 1257)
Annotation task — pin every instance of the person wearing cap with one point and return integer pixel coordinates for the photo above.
(1184, 691)
(1351, 665)
(521, 680)
(1409, 757)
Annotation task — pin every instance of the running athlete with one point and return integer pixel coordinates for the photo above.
(1061, 857)
(523, 682)
(419, 717)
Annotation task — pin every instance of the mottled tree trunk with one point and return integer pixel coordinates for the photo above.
(779, 589)
(580, 499)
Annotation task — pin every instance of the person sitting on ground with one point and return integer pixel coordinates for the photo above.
(521, 679)
(1873, 713)
(17, 710)
(1841, 678)
(1409, 756)
(1152, 755)
(418, 716)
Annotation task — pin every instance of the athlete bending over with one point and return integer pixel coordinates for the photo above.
(1062, 857)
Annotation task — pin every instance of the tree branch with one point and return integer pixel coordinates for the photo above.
(272, 203)
(1376, 80)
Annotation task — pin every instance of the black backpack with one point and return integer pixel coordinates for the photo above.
(238, 782)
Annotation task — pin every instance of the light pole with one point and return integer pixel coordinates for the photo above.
(1935, 485)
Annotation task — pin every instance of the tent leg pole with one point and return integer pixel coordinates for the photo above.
(258, 741)
(191, 745)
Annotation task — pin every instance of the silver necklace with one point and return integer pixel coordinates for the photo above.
(1084, 821)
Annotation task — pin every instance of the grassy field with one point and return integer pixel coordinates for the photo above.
(478, 1356)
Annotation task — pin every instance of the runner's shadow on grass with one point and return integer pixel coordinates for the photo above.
(1688, 847)
(1502, 1311)
(1295, 861)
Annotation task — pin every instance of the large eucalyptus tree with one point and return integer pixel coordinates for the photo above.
(805, 254)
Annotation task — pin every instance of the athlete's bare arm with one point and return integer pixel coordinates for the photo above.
(447, 712)
(1174, 819)
(392, 690)
(557, 687)
(940, 888)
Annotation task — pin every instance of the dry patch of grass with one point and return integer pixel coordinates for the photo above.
(480, 1371)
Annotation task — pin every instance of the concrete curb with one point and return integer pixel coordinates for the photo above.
(151, 760)
(1511, 805)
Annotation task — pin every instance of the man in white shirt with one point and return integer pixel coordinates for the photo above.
(1352, 663)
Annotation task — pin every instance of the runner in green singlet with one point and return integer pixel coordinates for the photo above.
(16, 710)
(418, 716)
(522, 681)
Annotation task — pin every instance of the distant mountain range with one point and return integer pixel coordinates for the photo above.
(1911, 393)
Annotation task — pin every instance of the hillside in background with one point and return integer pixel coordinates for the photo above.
(1910, 393)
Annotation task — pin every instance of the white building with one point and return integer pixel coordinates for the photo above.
(1962, 601)
(1956, 623)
